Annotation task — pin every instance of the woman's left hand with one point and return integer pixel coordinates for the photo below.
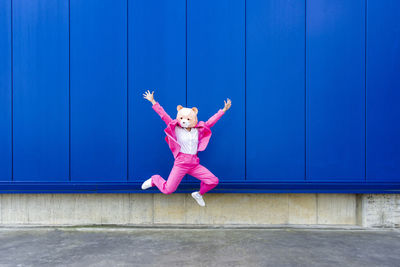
(228, 104)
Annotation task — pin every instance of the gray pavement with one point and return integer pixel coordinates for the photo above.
(197, 247)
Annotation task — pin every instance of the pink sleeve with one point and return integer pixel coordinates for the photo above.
(211, 121)
(160, 111)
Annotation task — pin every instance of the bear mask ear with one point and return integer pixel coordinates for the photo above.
(195, 110)
(179, 107)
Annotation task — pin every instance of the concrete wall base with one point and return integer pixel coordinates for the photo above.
(380, 210)
(372, 210)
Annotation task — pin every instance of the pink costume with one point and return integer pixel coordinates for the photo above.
(186, 163)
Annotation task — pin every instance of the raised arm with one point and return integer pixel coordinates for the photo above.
(211, 121)
(157, 107)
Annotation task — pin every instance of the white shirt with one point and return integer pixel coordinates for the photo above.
(187, 140)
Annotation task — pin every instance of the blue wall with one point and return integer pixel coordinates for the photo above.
(315, 87)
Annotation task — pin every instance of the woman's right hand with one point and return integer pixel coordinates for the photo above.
(149, 96)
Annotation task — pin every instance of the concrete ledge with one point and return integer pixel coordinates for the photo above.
(181, 209)
(127, 227)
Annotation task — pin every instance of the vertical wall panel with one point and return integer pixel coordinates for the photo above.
(40, 91)
(157, 61)
(275, 90)
(5, 91)
(216, 70)
(335, 90)
(98, 90)
(383, 90)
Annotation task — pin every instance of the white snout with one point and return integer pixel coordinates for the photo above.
(185, 123)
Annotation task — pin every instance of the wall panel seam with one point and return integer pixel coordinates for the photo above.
(245, 90)
(365, 92)
(305, 90)
(12, 93)
(69, 90)
(127, 90)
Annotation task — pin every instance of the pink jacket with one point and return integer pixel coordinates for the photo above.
(203, 128)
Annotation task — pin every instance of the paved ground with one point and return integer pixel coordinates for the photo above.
(197, 247)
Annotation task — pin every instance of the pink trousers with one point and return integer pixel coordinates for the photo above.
(185, 164)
